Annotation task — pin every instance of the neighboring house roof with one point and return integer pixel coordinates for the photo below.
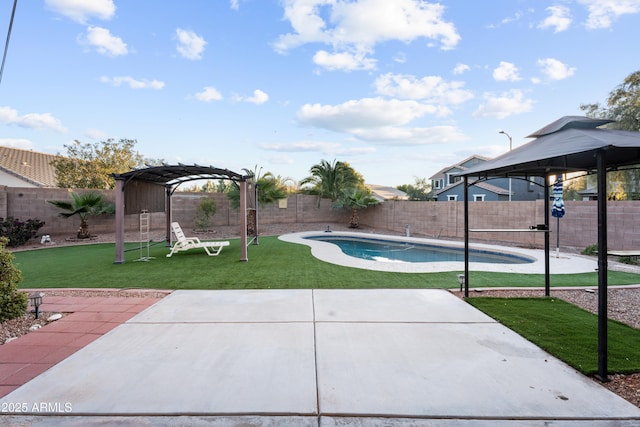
(460, 166)
(30, 166)
(483, 185)
(383, 193)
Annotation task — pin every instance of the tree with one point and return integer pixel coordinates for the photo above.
(420, 191)
(270, 188)
(12, 302)
(623, 106)
(355, 199)
(84, 205)
(91, 165)
(330, 180)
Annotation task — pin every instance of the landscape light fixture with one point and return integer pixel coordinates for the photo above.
(35, 300)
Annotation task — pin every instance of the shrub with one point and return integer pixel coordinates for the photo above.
(205, 210)
(19, 232)
(12, 302)
(590, 250)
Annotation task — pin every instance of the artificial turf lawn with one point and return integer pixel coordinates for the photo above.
(272, 264)
(566, 331)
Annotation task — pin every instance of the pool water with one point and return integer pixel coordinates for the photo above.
(391, 251)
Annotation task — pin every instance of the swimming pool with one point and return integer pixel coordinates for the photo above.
(381, 250)
(329, 252)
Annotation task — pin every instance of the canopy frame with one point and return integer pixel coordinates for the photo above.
(172, 176)
(570, 144)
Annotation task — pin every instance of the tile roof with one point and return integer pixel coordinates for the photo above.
(30, 166)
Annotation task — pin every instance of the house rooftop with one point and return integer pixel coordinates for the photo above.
(30, 166)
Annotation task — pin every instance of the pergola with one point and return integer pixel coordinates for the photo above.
(570, 144)
(151, 188)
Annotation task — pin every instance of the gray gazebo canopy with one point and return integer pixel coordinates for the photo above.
(570, 144)
(151, 188)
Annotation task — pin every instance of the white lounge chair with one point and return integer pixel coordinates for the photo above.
(184, 243)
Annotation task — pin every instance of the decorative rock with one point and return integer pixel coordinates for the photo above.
(11, 339)
(35, 327)
(54, 317)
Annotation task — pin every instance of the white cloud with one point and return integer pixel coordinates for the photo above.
(190, 45)
(602, 13)
(504, 105)
(81, 10)
(235, 4)
(102, 40)
(301, 146)
(208, 94)
(38, 121)
(460, 68)
(554, 69)
(411, 136)
(360, 25)
(506, 71)
(259, 97)
(132, 83)
(343, 61)
(362, 114)
(429, 88)
(378, 120)
(22, 143)
(559, 19)
(96, 134)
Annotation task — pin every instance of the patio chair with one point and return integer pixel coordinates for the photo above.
(184, 243)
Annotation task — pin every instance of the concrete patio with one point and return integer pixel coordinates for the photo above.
(314, 357)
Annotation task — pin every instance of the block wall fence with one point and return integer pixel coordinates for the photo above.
(444, 220)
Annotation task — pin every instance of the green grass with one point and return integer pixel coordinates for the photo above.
(272, 264)
(566, 331)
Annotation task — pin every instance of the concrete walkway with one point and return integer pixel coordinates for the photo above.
(314, 357)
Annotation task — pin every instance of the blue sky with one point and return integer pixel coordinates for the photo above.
(399, 89)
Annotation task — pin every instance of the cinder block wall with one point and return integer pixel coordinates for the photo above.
(444, 220)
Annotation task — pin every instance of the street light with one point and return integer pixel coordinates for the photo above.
(510, 148)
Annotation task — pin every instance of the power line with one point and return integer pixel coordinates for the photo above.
(6, 45)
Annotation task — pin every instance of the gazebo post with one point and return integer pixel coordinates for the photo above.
(466, 236)
(602, 266)
(243, 221)
(547, 268)
(119, 200)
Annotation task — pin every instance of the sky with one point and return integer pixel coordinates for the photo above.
(399, 89)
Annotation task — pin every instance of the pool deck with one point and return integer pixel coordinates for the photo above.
(329, 252)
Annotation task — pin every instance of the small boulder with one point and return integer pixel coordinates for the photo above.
(54, 317)
(35, 327)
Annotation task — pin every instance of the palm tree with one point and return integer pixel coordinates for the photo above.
(84, 205)
(331, 179)
(355, 199)
(270, 188)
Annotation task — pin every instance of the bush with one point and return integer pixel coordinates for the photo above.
(205, 210)
(590, 250)
(19, 232)
(12, 302)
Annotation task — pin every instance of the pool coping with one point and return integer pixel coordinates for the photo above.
(331, 253)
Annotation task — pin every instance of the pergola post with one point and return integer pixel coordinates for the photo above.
(168, 215)
(243, 221)
(119, 200)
